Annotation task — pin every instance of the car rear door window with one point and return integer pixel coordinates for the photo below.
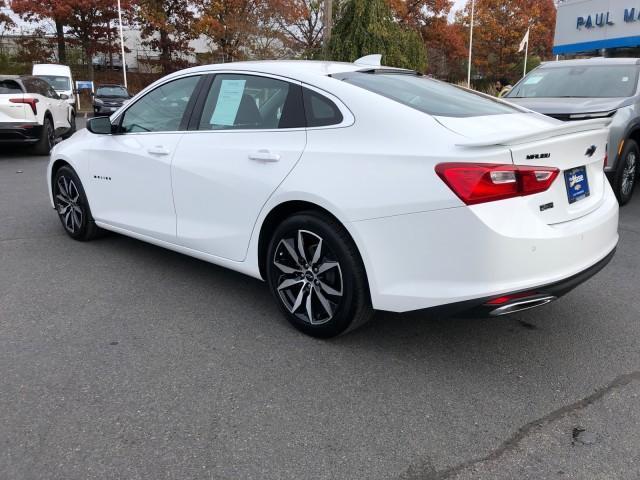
(37, 86)
(251, 102)
(162, 109)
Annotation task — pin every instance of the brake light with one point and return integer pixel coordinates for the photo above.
(477, 183)
(29, 101)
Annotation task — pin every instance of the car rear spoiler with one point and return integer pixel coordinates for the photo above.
(537, 135)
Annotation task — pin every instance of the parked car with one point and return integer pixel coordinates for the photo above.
(348, 188)
(593, 88)
(102, 61)
(109, 98)
(32, 113)
(60, 78)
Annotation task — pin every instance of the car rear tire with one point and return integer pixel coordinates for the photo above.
(317, 277)
(72, 206)
(47, 138)
(626, 175)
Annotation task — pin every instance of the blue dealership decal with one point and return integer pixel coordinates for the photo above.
(603, 19)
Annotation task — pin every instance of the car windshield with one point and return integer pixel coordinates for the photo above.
(58, 83)
(112, 92)
(595, 81)
(429, 96)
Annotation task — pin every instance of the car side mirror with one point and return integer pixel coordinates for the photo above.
(100, 126)
(64, 96)
(92, 94)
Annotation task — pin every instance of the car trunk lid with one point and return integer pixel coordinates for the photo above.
(577, 149)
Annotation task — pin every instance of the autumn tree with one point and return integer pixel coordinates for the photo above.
(500, 27)
(167, 26)
(445, 43)
(231, 25)
(302, 25)
(91, 23)
(57, 11)
(367, 27)
(5, 20)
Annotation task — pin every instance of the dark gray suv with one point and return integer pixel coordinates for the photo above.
(109, 98)
(592, 88)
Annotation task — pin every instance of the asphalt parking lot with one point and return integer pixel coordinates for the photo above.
(120, 360)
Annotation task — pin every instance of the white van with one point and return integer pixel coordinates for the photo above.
(59, 77)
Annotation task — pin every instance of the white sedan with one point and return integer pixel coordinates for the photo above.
(348, 188)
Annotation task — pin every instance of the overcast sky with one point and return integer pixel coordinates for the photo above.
(458, 4)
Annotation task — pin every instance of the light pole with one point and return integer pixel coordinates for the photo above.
(328, 25)
(473, 12)
(124, 62)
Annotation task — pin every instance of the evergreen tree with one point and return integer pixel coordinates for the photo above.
(366, 27)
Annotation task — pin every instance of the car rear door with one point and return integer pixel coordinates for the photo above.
(130, 172)
(246, 135)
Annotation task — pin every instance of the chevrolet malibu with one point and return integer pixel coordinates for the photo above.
(348, 188)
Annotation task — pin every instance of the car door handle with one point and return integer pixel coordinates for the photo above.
(158, 150)
(264, 156)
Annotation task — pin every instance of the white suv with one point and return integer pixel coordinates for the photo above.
(32, 113)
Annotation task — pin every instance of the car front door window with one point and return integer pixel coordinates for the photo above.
(162, 109)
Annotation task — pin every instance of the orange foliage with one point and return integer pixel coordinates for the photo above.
(500, 27)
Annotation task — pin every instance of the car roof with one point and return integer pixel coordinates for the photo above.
(51, 69)
(583, 62)
(303, 70)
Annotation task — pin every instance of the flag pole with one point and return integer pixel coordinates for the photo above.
(526, 53)
(124, 61)
(473, 11)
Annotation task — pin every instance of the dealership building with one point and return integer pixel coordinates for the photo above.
(598, 27)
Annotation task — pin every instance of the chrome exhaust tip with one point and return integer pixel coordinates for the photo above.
(523, 304)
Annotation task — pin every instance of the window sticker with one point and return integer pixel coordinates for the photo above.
(625, 79)
(228, 104)
(533, 80)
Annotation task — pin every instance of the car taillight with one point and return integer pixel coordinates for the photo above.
(482, 182)
(29, 101)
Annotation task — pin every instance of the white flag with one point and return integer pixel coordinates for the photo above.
(524, 42)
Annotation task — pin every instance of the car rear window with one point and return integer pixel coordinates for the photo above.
(110, 91)
(427, 95)
(9, 87)
(583, 81)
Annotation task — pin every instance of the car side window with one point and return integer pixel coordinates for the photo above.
(162, 109)
(319, 110)
(37, 86)
(240, 102)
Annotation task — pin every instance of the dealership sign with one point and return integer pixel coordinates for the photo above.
(587, 25)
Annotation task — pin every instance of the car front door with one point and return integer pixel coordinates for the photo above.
(246, 135)
(130, 171)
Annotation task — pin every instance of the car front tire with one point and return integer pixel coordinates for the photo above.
(317, 277)
(72, 205)
(626, 176)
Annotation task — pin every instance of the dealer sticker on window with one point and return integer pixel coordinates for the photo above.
(577, 184)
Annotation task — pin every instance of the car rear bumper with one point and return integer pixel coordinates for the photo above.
(19, 133)
(461, 257)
